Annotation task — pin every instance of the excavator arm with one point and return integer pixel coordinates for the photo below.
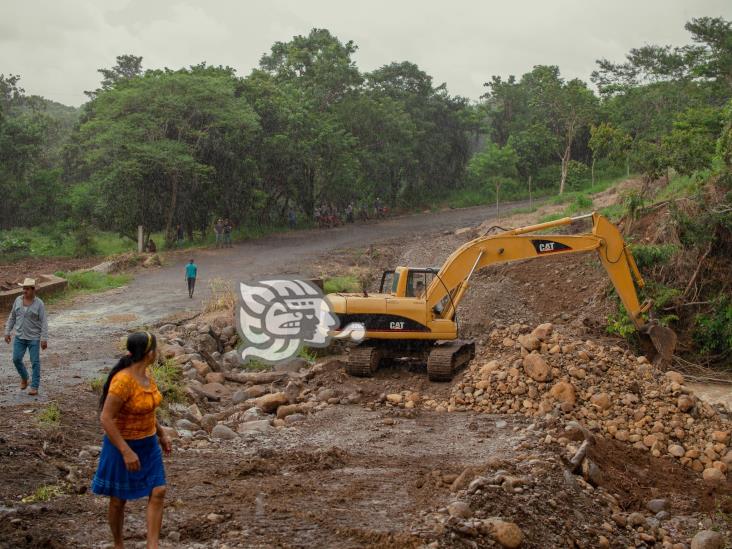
(451, 282)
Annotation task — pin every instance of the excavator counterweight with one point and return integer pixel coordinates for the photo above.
(413, 316)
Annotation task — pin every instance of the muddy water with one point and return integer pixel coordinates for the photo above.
(714, 393)
(85, 336)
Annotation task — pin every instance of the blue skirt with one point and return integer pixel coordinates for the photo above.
(112, 477)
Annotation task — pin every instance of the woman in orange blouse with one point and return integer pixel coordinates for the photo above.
(131, 461)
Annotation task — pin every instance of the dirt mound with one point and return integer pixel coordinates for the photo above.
(541, 373)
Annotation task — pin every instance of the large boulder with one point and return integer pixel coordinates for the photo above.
(564, 392)
(708, 539)
(223, 432)
(253, 427)
(536, 368)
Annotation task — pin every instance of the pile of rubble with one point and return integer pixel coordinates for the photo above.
(229, 402)
(539, 373)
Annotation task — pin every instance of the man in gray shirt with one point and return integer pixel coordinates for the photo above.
(28, 317)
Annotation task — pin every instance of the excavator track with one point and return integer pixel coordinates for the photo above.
(363, 360)
(447, 358)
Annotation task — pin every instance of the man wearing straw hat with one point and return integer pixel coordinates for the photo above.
(28, 317)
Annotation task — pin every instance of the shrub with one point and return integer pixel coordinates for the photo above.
(649, 255)
(50, 415)
(337, 284)
(169, 380)
(9, 245)
(713, 331)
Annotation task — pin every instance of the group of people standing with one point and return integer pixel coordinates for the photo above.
(222, 230)
(328, 215)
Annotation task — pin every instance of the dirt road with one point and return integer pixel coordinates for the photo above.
(84, 336)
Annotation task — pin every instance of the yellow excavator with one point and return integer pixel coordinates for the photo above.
(413, 316)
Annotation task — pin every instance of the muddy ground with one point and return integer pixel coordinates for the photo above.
(347, 476)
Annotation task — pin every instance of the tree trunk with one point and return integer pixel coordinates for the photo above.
(530, 201)
(627, 165)
(592, 170)
(171, 212)
(565, 168)
(498, 211)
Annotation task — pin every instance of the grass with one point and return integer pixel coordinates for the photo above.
(169, 379)
(347, 283)
(49, 416)
(44, 493)
(96, 384)
(88, 282)
(680, 186)
(91, 281)
(222, 297)
(614, 212)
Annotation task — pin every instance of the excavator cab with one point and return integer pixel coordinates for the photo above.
(406, 282)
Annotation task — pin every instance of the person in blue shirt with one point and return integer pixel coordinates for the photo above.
(191, 273)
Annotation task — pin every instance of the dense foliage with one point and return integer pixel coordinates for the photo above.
(307, 128)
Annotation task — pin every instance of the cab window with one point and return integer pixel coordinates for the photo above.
(417, 283)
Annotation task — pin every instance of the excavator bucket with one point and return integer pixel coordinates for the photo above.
(659, 343)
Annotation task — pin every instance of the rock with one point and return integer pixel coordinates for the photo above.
(394, 398)
(676, 450)
(657, 505)
(269, 403)
(601, 400)
(529, 342)
(501, 424)
(215, 518)
(685, 403)
(84, 454)
(222, 432)
(488, 368)
(216, 389)
(288, 409)
(232, 359)
(708, 539)
(459, 509)
(713, 476)
(171, 351)
(464, 479)
(325, 394)
(238, 397)
(294, 418)
(255, 391)
(508, 534)
(201, 367)
(206, 342)
(215, 377)
(536, 368)
(253, 427)
(186, 425)
(720, 436)
(209, 421)
(636, 519)
(564, 392)
(293, 365)
(292, 392)
(675, 377)
(543, 331)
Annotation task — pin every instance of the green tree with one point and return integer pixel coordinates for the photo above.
(607, 141)
(494, 166)
(692, 142)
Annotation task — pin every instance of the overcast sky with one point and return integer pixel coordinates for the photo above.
(57, 45)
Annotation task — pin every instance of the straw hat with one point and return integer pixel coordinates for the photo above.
(28, 282)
